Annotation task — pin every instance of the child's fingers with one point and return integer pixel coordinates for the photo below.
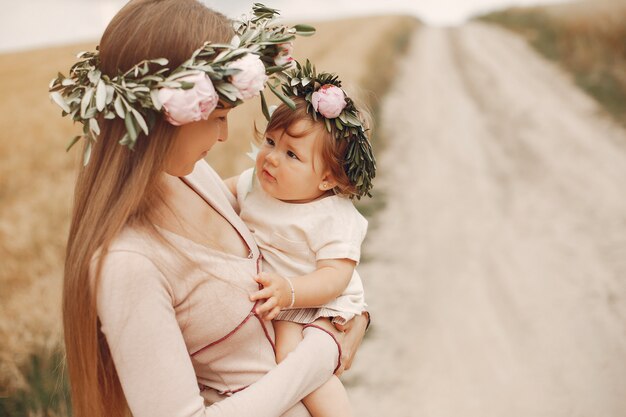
(340, 327)
(263, 279)
(266, 306)
(261, 294)
(272, 314)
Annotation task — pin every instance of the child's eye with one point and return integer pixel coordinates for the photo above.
(292, 155)
(269, 141)
(222, 119)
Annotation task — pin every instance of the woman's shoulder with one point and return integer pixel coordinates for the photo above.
(132, 260)
(132, 250)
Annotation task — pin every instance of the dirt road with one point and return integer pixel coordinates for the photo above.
(497, 271)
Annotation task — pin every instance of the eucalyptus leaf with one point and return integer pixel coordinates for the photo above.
(58, 99)
(154, 95)
(160, 61)
(93, 125)
(304, 30)
(119, 108)
(72, 142)
(110, 92)
(289, 102)
(101, 95)
(130, 126)
(86, 102)
(264, 108)
(87, 154)
(140, 120)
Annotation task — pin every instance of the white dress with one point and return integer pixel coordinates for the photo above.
(293, 237)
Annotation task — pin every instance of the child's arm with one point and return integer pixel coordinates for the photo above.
(231, 183)
(323, 285)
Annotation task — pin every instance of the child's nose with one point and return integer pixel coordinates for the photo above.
(272, 157)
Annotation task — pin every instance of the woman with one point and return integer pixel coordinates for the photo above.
(159, 267)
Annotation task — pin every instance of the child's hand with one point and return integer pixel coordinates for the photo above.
(276, 292)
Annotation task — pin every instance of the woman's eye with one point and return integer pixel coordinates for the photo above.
(292, 155)
(222, 119)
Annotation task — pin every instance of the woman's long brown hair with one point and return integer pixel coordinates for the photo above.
(118, 187)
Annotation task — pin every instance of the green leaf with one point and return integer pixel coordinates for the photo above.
(119, 109)
(101, 95)
(264, 107)
(160, 61)
(125, 141)
(87, 154)
(304, 30)
(72, 142)
(327, 123)
(289, 102)
(186, 85)
(58, 99)
(140, 120)
(93, 125)
(130, 126)
(154, 95)
(85, 102)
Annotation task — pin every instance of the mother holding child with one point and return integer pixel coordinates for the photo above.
(172, 275)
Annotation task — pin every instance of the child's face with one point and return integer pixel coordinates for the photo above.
(291, 168)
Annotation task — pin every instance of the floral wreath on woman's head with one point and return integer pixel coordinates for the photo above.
(326, 99)
(228, 72)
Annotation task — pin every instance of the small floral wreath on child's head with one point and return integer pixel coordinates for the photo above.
(326, 99)
(231, 73)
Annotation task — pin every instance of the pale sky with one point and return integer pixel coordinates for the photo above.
(37, 23)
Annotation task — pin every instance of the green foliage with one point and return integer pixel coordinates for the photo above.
(359, 163)
(47, 393)
(88, 95)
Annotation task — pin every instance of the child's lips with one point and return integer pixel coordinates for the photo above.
(268, 176)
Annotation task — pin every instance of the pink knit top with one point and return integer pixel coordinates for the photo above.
(185, 340)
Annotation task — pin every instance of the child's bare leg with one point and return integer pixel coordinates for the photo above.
(288, 335)
(329, 400)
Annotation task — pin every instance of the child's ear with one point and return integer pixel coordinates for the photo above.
(328, 183)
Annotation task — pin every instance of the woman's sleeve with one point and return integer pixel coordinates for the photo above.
(135, 308)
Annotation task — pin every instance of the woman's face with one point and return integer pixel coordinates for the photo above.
(194, 140)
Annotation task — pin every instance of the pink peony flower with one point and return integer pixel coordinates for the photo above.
(285, 50)
(250, 81)
(186, 106)
(329, 100)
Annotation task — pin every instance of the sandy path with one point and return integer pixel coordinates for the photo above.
(498, 268)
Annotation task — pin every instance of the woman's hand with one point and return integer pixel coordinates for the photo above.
(276, 292)
(354, 332)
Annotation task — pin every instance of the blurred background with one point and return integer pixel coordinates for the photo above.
(495, 264)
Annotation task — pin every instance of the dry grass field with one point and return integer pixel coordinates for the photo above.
(36, 182)
(585, 37)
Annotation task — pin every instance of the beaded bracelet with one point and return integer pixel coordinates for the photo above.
(293, 292)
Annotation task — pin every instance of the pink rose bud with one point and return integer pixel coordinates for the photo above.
(329, 101)
(186, 106)
(250, 81)
(285, 50)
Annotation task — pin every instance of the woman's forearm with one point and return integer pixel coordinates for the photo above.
(300, 373)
